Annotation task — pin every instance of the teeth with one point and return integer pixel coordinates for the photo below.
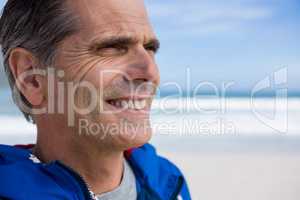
(124, 104)
(139, 104)
(130, 104)
(143, 104)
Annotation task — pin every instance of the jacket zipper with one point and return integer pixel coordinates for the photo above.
(89, 195)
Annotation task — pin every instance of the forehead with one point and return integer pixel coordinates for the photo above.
(107, 17)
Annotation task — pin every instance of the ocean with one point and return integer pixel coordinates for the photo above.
(206, 117)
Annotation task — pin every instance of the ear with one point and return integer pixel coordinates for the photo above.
(22, 64)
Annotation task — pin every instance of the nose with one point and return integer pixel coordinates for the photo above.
(143, 67)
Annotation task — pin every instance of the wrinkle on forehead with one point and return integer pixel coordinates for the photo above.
(109, 11)
(81, 43)
(101, 18)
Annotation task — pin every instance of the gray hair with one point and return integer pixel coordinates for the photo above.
(37, 26)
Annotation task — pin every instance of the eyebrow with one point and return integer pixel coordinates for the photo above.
(124, 41)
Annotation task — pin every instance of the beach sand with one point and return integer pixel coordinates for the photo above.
(240, 176)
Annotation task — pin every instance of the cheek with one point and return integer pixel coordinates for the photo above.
(100, 74)
(76, 68)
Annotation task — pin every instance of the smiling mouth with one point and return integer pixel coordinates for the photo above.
(129, 104)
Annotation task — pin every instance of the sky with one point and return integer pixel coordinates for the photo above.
(221, 41)
(240, 41)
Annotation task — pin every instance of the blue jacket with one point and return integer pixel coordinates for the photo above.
(23, 179)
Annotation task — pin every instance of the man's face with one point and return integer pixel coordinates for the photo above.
(114, 52)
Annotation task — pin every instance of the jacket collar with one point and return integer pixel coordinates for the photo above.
(156, 177)
(155, 173)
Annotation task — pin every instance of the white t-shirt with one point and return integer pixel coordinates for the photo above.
(126, 190)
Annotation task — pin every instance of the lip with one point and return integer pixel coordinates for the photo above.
(140, 97)
(144, 111)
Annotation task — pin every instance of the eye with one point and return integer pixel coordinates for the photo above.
(151, 47)
(113, 50)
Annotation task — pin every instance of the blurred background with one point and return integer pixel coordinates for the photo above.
(228, 108)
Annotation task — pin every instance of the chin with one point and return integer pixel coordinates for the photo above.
(133, 139)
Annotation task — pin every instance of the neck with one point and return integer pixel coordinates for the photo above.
(101, 169)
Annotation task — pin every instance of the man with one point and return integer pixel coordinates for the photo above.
(84, 72)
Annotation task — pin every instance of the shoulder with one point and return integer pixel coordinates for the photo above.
(158, 172)
(24, 178)
(150, 159)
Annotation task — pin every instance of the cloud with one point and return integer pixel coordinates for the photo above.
(206, 17)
